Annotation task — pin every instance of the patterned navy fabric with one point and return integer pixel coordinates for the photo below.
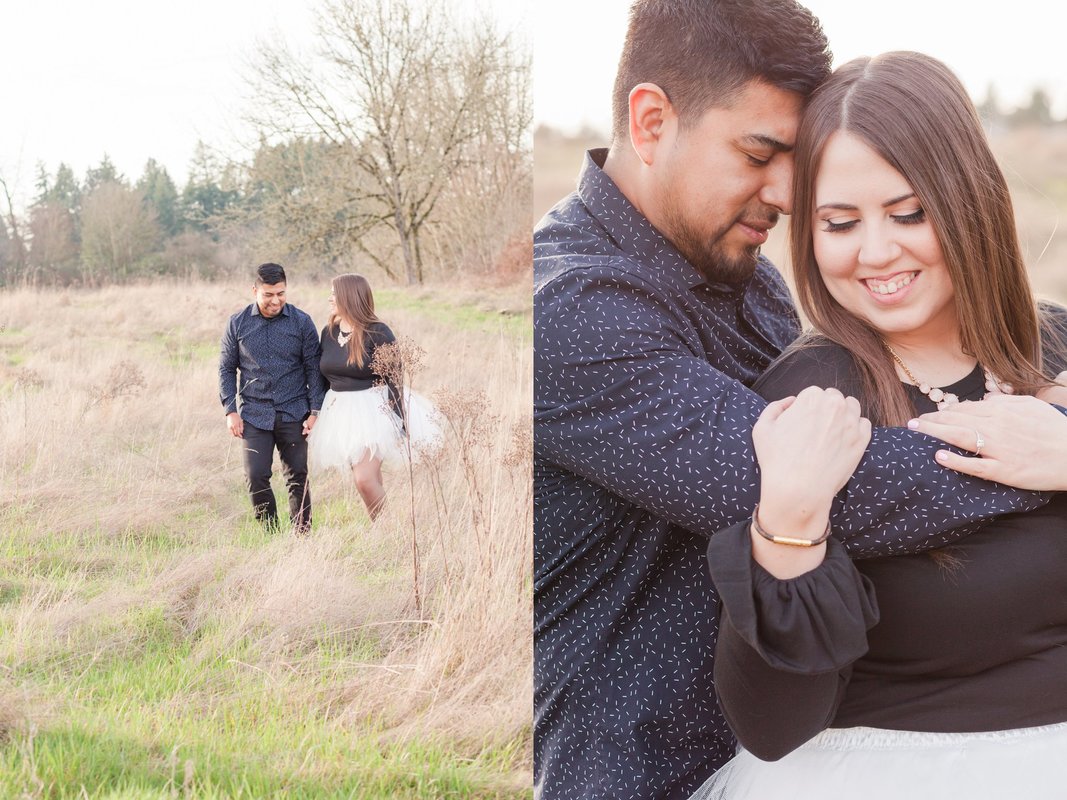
(278, 359)
(642, 425)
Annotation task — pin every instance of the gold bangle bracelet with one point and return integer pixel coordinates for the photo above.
(791, 541)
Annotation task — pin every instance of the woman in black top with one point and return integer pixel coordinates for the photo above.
(364, 416)
(942, 674)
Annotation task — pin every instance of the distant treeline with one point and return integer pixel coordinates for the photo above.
(1038, 111)
(105, 227)
(401, 148)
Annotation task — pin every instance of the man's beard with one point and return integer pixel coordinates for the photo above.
(707, 253)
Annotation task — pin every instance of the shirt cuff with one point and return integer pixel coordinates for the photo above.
(814, 623)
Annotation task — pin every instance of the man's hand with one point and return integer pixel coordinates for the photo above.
(807, 447)
(236, 425)
(1024, 440)
(309, 423)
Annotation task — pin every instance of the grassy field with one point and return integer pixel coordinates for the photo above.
(156, 643)
(1034, 162)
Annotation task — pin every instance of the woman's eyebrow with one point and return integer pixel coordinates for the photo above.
(850, 207)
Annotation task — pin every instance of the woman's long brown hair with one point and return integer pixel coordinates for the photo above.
(354, 302)
(914, 112)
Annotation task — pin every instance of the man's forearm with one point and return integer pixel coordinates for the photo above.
(900, 500)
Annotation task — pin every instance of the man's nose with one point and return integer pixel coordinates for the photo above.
(778, 189)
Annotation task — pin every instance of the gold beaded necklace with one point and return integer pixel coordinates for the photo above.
(939, 397)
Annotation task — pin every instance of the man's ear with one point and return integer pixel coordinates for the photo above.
(651, 117)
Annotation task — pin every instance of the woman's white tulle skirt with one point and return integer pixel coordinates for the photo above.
(876, 764)
(353, 424)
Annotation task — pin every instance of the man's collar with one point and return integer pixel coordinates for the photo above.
(627, 226)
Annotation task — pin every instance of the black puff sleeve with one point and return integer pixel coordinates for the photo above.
(786, 647)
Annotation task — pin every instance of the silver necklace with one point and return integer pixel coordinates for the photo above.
(939, 397)
(342, 337)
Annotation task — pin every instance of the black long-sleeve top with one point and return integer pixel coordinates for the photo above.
(973, 641)
(345, 377)
(642, 449)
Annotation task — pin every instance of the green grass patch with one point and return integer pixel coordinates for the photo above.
(340, 512)
(465, 316)
(156, 539)
(11, 591)
(162, 718)
(80, 761)
(179, 351)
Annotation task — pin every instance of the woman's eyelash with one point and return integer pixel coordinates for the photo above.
(914, 218)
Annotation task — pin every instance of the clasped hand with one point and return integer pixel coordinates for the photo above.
(808, 446)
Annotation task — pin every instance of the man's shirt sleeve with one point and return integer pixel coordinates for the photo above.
(228, 363)
(622, 401)
(312, 354)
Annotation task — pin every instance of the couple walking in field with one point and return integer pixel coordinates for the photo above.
(315, 397)
(777, 564)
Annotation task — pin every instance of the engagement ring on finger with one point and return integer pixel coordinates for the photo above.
(979, 443)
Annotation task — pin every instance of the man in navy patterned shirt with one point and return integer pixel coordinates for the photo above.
(653, 314)
(275, 348)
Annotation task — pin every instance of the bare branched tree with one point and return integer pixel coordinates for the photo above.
(54, 246)
(14, 255)
(409, 97)
(117, 232)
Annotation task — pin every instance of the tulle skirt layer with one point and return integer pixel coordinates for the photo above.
(353, 424)
(876, 764)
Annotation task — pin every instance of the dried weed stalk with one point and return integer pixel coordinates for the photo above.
(28, 379)
(472, 425)
(398, 363)
(519, 453)
(124, 379)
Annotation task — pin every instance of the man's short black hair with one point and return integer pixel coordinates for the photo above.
(701, 53)
(269, 274)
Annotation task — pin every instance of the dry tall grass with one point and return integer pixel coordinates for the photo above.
(122, 494)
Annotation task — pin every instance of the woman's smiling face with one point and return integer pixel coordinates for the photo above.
(876, 250)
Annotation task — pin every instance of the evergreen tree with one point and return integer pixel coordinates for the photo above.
(106, 172)
(161, 195)
(65, 190)
(989, 109)
(1037, 112)
(54, 222)
(204, 197)
(43, 184)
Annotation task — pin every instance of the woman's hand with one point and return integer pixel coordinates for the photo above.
(807, 446)
(1023, 440)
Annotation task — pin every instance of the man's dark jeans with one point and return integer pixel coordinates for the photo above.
(259, 457)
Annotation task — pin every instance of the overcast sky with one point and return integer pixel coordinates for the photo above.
(1016, 45)
(140, 80)
(137, 79)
